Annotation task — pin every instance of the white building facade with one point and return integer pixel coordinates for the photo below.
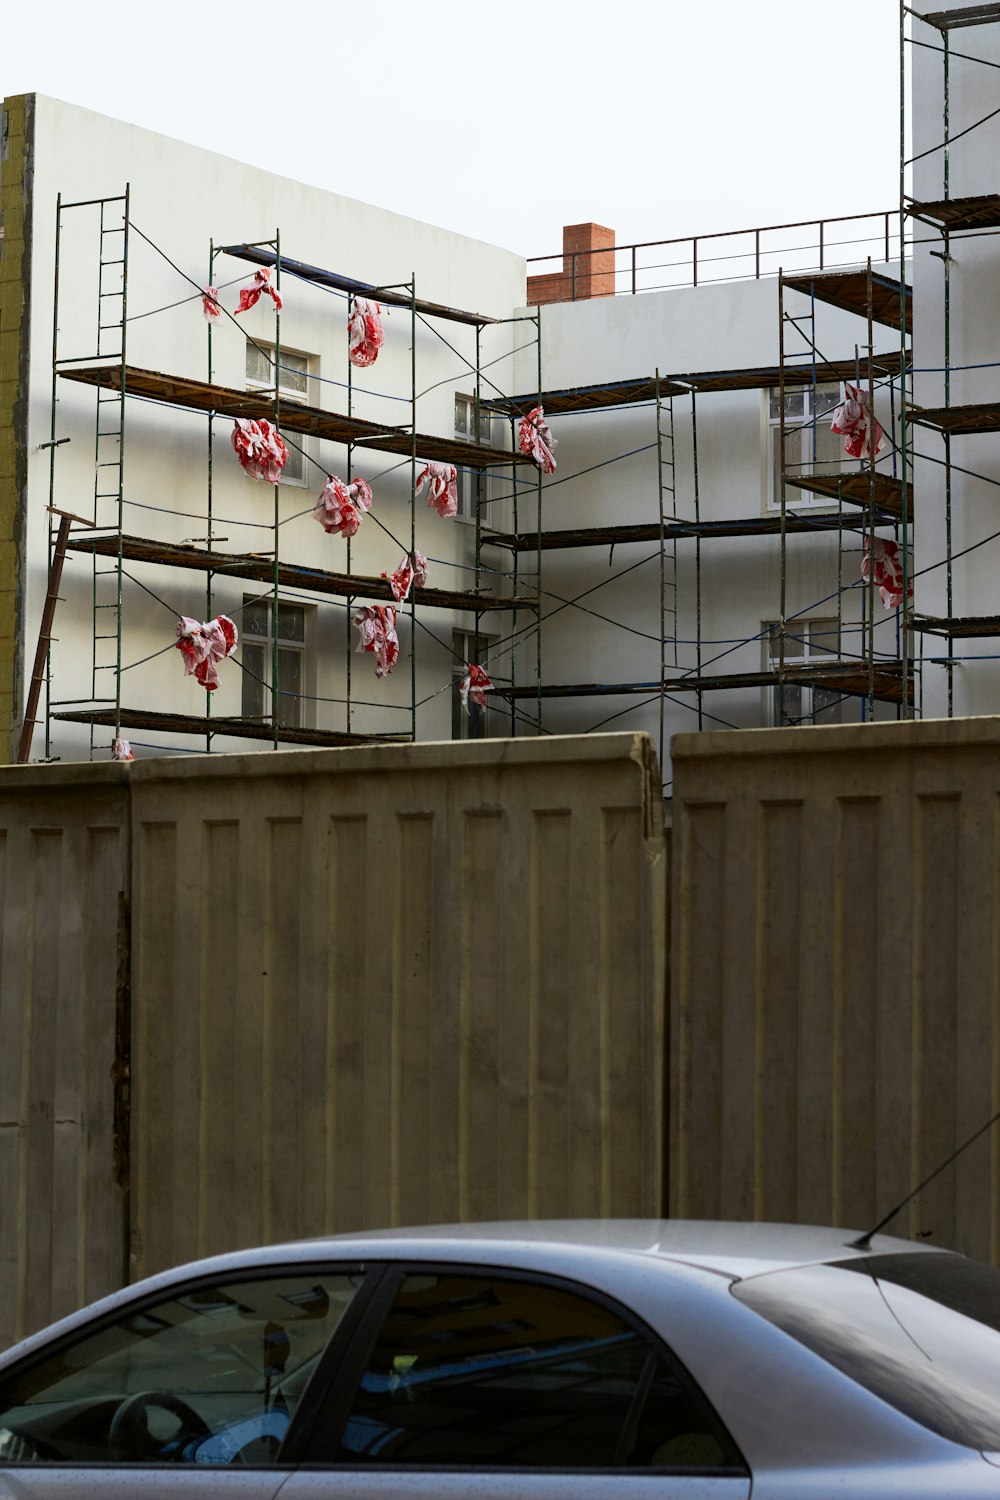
(670, 573)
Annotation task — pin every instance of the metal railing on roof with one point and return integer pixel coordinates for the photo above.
(730, 255)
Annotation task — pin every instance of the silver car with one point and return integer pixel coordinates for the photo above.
(634, 1360)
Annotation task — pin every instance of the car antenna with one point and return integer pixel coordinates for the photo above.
(863, 1242)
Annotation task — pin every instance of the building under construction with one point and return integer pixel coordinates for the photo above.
(707, 550)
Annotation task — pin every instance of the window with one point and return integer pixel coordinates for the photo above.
(810, 446)
(471, 484)
(487, 1369)
(921, 1331)
(211, 1375)
(293, 385)
(258, 660)
(473, 725)
(805, 640)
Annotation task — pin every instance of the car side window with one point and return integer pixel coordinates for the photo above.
(480, 1369)
(210, 1375)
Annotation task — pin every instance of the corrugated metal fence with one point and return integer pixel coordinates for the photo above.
(427, 982)
(835, 1012)
(63, 976)
(368, 987)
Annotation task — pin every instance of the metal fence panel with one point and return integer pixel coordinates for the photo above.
(835, 1008)
(395, 985)
(63, 972)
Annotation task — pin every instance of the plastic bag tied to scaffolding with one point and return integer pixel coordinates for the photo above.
(210, 305)
(442, 488)
(862, 433)
(376, 627)
(340, 507)
(261, 283)
(204, 646)
(260, 448)
(121, 750)
(884, 559)
(365, 335)
(474, 687)
(535, 439)
(412, 569)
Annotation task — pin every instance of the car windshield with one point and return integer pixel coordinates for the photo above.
(920, 1331)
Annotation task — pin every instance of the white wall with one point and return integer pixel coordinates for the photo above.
(183, 198)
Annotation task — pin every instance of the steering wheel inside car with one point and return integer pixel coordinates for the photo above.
(130, 1439)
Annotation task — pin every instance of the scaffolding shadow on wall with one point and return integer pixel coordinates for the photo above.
(113, 549)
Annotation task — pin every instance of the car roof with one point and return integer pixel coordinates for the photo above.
(733, 1249)
(574, 1248)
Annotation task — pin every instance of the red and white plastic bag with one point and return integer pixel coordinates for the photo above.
(412, 569)
(474, 687)
(341, 507)
(260, 448)
(261, 283)
(883, 557)
(365, 335)
(535, 439)
(376, 627)
(204, 646)
(853, 420)
(442, 488)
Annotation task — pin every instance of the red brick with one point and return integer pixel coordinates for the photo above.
(588, 267)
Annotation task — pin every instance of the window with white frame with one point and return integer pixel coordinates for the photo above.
(794, 703)
(474, 724)
(294, 370)
(258, 642)
(466, 427)
(810, 446)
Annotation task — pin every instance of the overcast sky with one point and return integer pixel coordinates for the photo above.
(506, 121)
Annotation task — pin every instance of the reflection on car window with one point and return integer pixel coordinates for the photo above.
(920, 1331)
(209, 1376)
(471, 1370)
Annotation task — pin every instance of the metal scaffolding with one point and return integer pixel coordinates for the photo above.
(104, 537)
(947, 217)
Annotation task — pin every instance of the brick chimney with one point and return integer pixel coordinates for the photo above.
(588, 267)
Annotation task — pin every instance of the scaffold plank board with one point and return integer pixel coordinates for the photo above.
(260, 255)
(979, 212)
(260, 569)
(849, 290)
(766, 524)
(246, 729)
(982, 416)
(849, 678)
(957, 627)
(856, 489)
(964, 15)
(643, 390)
(313, 421)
